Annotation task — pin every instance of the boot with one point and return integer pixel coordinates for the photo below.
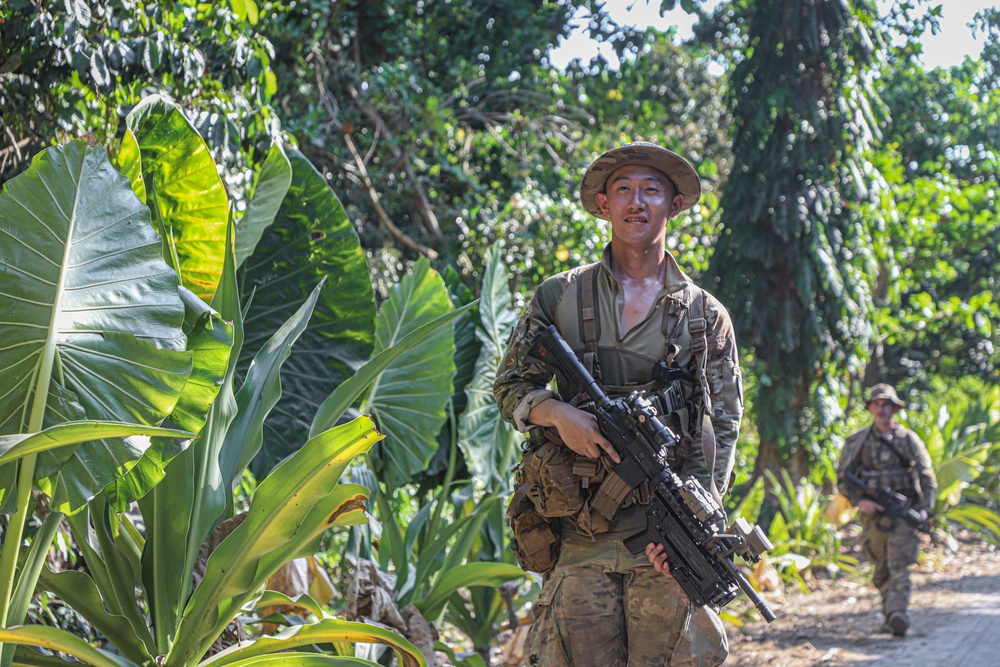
(898, 623)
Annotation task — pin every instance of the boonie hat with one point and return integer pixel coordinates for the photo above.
(885, 391)
(676, 168)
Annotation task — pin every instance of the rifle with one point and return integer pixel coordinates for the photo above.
(681, 514)
(894, 505)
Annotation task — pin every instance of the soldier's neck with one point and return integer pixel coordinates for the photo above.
(639, 265)
(885, 429)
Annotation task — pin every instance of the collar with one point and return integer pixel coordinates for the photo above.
(675, 279)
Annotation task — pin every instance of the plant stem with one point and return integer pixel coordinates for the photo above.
(449, 474)
(12, 540)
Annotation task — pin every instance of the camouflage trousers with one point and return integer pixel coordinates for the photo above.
(891, 554)
(604, 607)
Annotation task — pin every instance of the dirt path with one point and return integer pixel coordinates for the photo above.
(955, 614)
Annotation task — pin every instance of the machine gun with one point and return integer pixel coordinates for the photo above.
(681, 514)
(894, 505)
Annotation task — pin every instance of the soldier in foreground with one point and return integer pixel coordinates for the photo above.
(638, 323)
(889, 463)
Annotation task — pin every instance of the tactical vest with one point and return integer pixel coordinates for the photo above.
(685, 402)
(552, 483)
(886, 464)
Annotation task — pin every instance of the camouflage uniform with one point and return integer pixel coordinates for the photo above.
(891, 547)
(601, 605)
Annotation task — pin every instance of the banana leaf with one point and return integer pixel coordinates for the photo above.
(329, 630)
(310, 239)
(288, 515)
(190, 198)
(407, 400)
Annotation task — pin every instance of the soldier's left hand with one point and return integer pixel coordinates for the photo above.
(658, 558)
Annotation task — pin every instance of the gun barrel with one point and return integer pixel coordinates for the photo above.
(754, 597)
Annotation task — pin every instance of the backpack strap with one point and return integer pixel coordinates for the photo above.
(590, 324)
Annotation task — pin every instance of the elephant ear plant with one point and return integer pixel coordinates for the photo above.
(108, 367)
(93, 338)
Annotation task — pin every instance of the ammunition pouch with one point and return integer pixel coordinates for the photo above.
(536, 539)
(545, 490)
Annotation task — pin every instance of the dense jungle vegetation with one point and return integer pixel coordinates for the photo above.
(259, 260)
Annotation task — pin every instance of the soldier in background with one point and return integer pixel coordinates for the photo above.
(887, 455)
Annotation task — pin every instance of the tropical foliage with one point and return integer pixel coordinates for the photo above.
(113, 334)
(261, 250)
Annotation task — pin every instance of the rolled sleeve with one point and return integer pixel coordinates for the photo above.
(520, 386)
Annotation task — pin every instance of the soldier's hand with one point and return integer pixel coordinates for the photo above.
(867, 506)
(658, 558)
(577, 428)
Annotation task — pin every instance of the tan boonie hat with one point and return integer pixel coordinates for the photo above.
(884, 391)
(676, 168)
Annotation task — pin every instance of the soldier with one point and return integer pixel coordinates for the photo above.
(638, 323)
(887, 455)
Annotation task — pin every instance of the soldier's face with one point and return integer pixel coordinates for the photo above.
(883, 411)
(638, 200)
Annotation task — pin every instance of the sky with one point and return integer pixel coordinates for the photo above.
(946, 48)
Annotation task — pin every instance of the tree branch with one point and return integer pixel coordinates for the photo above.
(380, 212)
(425, 208)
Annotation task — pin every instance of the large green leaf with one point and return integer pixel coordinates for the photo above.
(466, 352)
(79, 591)
(13, 447)
(956, 473)
(466, 342)
(336, 404)
(182, 509)
(210, 339)
(408, 399)
(112, 558)
(92, 314)
(327, 631)
(261, 391)
(57, 639)
(190, 198)
(489, 442)
(270, 187)
(311, 239)
(290, 511)
(457, 538)
(300, 659)
(468, 574)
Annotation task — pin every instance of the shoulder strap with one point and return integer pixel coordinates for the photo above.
(677, 307)
(590, 324)
(907, 462)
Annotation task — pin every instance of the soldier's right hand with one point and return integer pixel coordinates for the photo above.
(577, 428)
(867, 506)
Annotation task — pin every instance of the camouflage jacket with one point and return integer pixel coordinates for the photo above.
(868, 455)
(626, 359)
